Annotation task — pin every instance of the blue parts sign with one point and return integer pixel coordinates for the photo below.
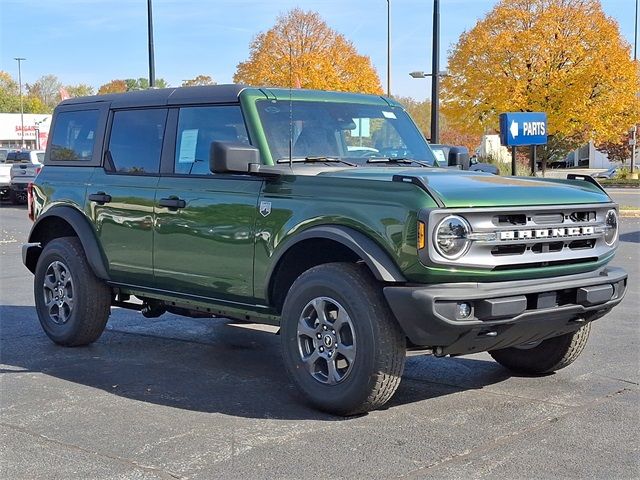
(523, 128)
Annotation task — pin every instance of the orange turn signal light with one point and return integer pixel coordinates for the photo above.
(421, 235)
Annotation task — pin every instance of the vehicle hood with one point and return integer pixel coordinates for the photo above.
(455, 188)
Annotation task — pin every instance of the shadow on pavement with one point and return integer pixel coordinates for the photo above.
(8, 204)
(227, 369)
(631, 237)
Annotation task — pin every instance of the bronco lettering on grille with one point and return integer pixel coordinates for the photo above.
(546, 233)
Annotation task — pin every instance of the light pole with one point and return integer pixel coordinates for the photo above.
(419, 74)
(435, 69)
(20, 60)
(388, 48)
(152, 66)
(635, 59)
(635, 36)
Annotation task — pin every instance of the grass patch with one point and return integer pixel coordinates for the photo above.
(623, 182)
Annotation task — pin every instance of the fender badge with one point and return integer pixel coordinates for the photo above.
(265, 208)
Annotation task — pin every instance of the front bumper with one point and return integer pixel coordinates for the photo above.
(503, 314)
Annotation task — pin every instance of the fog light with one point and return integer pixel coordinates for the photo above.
(464, 310)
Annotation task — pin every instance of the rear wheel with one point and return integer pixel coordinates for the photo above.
(545, 357)
(73, 305)
(341, 345)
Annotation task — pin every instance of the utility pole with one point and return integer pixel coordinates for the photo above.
(152, 66)
(388, 48)
(20, 60)
(435, 75)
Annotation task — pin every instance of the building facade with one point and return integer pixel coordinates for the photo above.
(34, 136)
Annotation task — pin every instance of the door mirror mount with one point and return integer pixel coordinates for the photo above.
(459, 157)
(228, 157)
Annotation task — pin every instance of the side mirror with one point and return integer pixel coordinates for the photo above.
(227, 157)
(459, 157)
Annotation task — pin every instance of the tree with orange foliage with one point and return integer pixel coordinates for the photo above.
(300, 50)
(562, 57)
(114, 86)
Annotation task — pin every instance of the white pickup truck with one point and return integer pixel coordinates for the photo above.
(5, 173)
(25, 165)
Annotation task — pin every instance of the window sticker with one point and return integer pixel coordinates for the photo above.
(363, 128)
(188, 142)
(389, 115)
(440, 156)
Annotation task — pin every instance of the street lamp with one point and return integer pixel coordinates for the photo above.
(37, 130)
(20, 60)
(435, 109)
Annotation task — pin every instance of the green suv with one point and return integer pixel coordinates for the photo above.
(322, 213)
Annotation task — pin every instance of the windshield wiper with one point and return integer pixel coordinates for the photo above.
(316, 160)
(403, 160)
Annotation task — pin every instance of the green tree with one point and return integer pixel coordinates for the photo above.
(9, 97)
(199, 80)
(420, 111)
(142, 83)
(35, 105)
(79, 90)
(129, 84)
(47, 89)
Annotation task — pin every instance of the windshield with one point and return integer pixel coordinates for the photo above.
(355, 132)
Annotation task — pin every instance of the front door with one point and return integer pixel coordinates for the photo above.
(205, 223)
(122, 194)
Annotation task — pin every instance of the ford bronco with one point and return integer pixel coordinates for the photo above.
(322, 213)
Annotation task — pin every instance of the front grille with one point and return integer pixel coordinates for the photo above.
(528, 237)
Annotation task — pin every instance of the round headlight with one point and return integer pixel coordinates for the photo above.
(611, 227)
(451, 237)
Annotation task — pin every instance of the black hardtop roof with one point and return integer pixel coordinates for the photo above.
(164, 96)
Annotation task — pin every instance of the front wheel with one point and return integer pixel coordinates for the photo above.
(341, 344)
(547, 356)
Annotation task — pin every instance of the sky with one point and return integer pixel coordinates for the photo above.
(95, 41)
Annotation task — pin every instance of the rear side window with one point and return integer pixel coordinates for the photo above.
(73, 136)
(135, 144)
(198, 127)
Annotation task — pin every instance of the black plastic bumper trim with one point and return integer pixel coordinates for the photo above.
(552, 307)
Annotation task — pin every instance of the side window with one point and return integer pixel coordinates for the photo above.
(73, 135)
(135, 143)
(198, 127)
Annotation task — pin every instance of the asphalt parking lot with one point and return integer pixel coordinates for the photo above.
(183, 398)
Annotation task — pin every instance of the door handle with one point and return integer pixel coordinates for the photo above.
(172, 203)
(100, 198)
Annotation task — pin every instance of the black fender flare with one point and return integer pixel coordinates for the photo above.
(374, 256)
(85, 232)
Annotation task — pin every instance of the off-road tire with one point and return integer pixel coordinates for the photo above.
(380, 353)
(91, 297)
(550, 355)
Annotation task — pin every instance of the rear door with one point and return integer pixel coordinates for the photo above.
(122, 193)
(204, 244)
